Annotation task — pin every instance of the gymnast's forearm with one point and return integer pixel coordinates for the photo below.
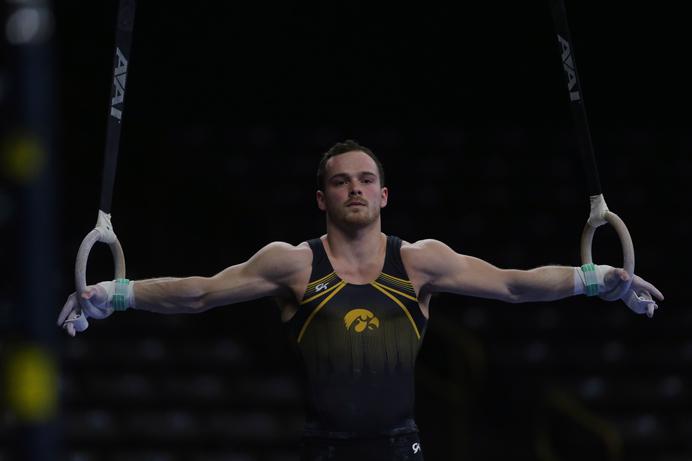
(546, 283)
(170, 295)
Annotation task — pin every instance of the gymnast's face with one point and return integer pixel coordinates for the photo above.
(352, 195)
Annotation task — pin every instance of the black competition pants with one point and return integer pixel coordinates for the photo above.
(406, 447)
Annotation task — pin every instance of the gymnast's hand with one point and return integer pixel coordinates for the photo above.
(638, 296)
(73, 316)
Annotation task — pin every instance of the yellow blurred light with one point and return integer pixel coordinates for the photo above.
(31, 383)
(23, 158)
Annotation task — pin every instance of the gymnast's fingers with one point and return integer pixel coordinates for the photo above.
(69, 306)
(643, 284)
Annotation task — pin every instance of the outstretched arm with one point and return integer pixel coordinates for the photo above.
(441, 269)
(444, 270)
(271, 271)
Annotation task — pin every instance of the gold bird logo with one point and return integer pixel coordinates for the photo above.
(361, 319)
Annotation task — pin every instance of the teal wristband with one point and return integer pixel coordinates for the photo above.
(119, 301)
(591, 279)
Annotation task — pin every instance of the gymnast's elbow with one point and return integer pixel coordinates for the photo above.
(195, 295)
(513, 290)
(513, 297)
(523, 286)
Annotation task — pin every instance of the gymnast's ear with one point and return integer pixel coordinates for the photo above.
(384, 196)
(319, 195)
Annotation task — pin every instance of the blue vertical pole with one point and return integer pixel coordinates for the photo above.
(29, 365)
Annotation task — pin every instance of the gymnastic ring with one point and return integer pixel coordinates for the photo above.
(101, 233)
(627, 250)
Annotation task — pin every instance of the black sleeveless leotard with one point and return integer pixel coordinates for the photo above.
(357, 345)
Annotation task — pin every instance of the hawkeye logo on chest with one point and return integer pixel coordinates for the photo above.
(361, 320)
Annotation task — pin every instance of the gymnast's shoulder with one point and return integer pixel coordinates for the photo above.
(426, 255)
(424, 247)
(282, 259)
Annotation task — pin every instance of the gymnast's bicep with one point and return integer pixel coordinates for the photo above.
(269, 272)
(442, 270)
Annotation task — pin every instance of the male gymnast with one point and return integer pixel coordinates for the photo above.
(356, 304)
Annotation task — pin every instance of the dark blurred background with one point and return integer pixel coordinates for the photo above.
(228, 109)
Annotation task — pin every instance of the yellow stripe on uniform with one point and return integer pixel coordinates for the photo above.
(337, 287)
(305, 301)
(412, 298)
(312, 284)
(389, 295)
(396, 280)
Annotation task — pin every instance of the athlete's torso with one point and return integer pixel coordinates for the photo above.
(358, 344)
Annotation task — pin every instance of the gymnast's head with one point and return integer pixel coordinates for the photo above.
(350, 185)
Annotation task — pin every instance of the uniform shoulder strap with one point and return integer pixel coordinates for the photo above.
(393, 264)
(320, 262)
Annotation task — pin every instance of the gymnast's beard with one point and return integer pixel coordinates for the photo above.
(350, 221)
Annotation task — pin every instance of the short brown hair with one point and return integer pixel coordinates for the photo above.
(341, 148)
